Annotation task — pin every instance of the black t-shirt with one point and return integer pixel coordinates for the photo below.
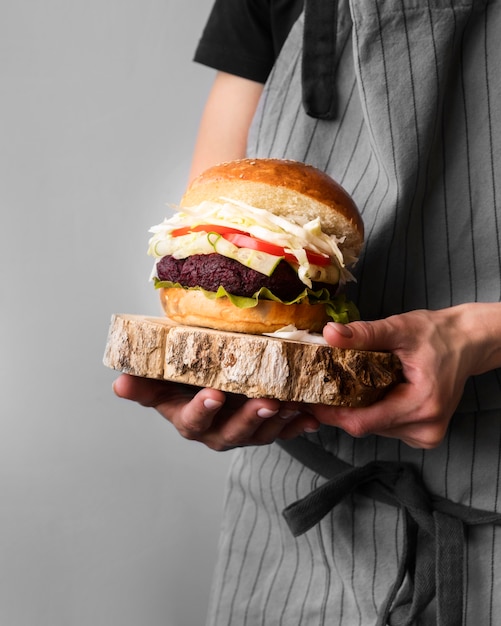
(244, 37)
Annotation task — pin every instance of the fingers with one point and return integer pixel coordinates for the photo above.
(220, 421)
(149, 392)
(253, 424)
(417, 411)
(378, 335)
(189, 409)
(397, 416)
(225, 426)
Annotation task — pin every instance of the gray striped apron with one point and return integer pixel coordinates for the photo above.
(403, 107)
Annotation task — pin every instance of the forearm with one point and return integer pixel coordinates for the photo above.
(225, 121)
(479, 329)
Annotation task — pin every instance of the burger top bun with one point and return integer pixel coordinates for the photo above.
(286, 188)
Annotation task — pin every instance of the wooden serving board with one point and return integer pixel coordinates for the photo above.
(257, 366)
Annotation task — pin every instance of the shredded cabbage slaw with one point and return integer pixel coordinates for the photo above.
(293, 236)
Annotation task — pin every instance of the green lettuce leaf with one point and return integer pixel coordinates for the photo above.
(339, 308)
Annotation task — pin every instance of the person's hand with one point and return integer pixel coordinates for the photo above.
(220, 421)
(439, 350)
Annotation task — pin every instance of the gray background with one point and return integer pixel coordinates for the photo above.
(107, 516)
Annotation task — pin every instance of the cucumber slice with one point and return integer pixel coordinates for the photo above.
(255, 259)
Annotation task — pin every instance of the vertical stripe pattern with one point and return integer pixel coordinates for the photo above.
(417, 141)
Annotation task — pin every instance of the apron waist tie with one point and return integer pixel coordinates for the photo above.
(431, 563)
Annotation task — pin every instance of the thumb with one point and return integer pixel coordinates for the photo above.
(375, 335)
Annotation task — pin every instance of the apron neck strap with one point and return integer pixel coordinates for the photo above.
(319, 58)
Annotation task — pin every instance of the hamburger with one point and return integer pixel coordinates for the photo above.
(258, 245)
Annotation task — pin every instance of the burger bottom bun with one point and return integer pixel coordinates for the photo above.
(192, 308)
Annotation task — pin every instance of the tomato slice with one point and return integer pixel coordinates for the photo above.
(242, 240)
(208, 228)
(246, 241)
